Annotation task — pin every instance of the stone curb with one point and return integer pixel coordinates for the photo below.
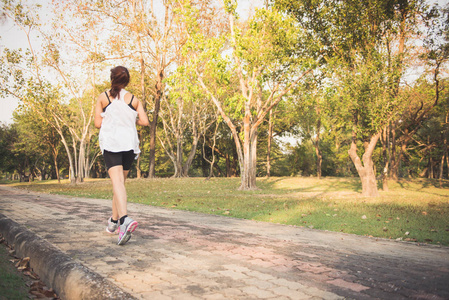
(69, 279)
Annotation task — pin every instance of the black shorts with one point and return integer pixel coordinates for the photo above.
(124, 158)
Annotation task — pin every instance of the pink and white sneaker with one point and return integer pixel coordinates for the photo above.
(112, 227)
(125, 230)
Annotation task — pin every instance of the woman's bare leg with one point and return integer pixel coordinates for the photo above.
(115, 213)
(119, 199)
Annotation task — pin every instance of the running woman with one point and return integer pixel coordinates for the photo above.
(116, 114)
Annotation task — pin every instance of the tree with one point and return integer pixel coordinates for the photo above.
(21, 73)
(264, 55)
(39, 140)
(185, 113)
(145, 36)
(8, 136)
(25, 78)
(312, 115)
(365, 43)
(424, 96)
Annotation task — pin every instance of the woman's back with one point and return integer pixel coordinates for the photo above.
(118, 130)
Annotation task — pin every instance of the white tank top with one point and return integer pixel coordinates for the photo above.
(118, 129)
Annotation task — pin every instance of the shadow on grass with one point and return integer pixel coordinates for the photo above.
(423, 186)
(312, 184)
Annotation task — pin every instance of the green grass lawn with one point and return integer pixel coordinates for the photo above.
(13, 283)
(413, 210)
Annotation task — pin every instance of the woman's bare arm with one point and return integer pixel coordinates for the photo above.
(143, 118)
(98, 119)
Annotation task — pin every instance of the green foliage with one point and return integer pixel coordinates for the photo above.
(363, 96)
(8, 136)
(11, 78)
(302, 159)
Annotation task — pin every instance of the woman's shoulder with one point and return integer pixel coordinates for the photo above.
(130, 99)
(104, 95)
(128, 96)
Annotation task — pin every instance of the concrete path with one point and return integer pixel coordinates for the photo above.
(183, 255)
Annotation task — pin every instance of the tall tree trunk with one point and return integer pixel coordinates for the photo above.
(55, 151)
(253, 157)
(87, 164)
(191, 156)
(270, 136)
(248, 172)
(316, 144)
(247, 168)
(211, 162)
(447, 163)
(178, 156)
(365, 167)
(179, 139)
(81, 158)
(394, 160)
(440, 176)
(75, 160)
(68, 152)
(445, 144)
(153, 123)
(228, 166)
(57, 170)
(142, 83)
(384, 141)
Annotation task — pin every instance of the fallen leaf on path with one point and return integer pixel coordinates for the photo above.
(32, 275)
(23, 263)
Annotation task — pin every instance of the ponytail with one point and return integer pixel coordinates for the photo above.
(119, 80)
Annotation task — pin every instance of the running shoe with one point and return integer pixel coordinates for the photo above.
(125, 230)
(112, 227)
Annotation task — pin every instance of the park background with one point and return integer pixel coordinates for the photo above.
(276, 88)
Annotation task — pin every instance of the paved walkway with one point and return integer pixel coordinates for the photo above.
(183, 255)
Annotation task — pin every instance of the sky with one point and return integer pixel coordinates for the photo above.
(13, 38)
(9, 38)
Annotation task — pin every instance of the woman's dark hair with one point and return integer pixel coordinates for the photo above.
(119, 80)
